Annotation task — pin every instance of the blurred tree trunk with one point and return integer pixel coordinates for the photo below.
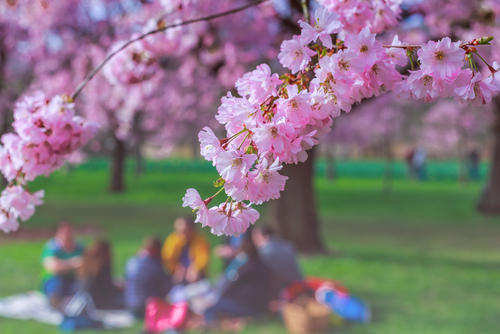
(119, 154)
(294, 215)
(489, 201)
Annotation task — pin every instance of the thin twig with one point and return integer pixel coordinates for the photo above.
(416, 46)
(96, 70)
(402, 46)
(305, 9)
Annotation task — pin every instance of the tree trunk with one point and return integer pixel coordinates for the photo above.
(489, 201)
(117, 177)
(294, 216)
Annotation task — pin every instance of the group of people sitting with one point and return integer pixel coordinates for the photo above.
(258, 265)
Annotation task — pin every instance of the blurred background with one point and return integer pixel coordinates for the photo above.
(398, 202)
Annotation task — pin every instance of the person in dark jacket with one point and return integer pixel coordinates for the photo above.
(145, 277)
(246, 288)
(96, 278)
(279, 256)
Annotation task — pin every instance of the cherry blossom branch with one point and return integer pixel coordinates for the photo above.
(477, 41)
(97, 69)
(402, 46)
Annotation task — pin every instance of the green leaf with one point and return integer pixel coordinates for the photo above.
(219, 182)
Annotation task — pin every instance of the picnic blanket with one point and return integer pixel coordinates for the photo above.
(34, 305)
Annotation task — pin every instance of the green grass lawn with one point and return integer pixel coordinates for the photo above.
(419, 254)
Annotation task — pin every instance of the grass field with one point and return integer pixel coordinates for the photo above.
(418, 254)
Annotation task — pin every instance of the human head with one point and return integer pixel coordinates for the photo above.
(96, 258)
(184, 226)
(152, 247)
(248, 246)
(65, 235)
(261, 235)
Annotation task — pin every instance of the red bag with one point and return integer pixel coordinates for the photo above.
(311, 284)
(161, 316)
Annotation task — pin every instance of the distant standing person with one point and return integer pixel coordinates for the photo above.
(409, 161)
(96, 277)
(474, 160)
(186, 252)
(61, 257)
(279, 256)
(419, 163)
(145, 277)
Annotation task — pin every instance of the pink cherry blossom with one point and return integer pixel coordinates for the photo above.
(263, 183)
(296, 109)
(266, 182)
(8, 223)
(47, 132)
(210, 146)
(397, 55)
(420, 86)
(378, 15)
(258, 84)
(295, 54)
(233, 166)
(324, 24)
(17, 203)
(479, 90)
(442, 59)
(135, 64)
(276, 138)
(193, 200)
(230, 219)
(235, 113)
(366, 47)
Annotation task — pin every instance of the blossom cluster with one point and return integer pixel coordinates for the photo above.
(135, 64)
(46, 132)
(334, 63)
(355, 15)
(17, 203)
(275, 120)
(442, 74)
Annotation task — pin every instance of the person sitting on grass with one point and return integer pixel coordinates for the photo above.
(279, 256)
(96, 277)
(145, 277)
(186, 252)
(61, 257)
(245, 289)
